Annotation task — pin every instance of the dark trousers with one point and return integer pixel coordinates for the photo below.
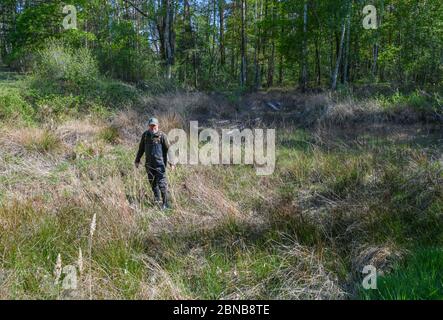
(158, 182)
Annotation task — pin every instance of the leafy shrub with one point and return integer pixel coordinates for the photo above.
(69, 69)
(13, 106)
(414, 106)
(55, 106)
(66, 81)
(117, 94)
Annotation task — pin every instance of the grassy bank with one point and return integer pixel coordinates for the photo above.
(358, 181)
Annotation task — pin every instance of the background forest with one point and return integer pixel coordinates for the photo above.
(253, 44)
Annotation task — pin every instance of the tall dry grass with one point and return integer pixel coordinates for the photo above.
(340, 198)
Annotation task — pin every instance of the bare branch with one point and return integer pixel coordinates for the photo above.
(136, 8)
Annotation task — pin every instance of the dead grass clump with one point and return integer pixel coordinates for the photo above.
(73, 131)
(130, 125)
(208, 197)
(382, 257)
(15, 214)
(184, 104)
(109, 134)
(171, 120)
(307, 278)
(198, 205)
(312, 108)
(159, 284)
(348, 112)
(318, 100)
(38, 140)
(89, 149)
(7, 281)
(46, 142)
(108, 200)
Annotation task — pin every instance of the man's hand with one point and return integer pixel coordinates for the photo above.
(137, 164)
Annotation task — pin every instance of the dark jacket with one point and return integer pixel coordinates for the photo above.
(155, 147)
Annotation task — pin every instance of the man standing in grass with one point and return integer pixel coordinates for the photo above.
(154, 144)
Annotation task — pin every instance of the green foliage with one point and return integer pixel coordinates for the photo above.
(230, 259)
(397, 189)
(109, 134)
(36, 23)
(46, 142)
(116, 94)
(55, 106)
(415, 203)
(420, 104)
(132, 46)
(419, 277)
(69, 69)
(119, 59)
(268, 236)
(14, 107)
(343, 173)
(66, 82)
(33, 241)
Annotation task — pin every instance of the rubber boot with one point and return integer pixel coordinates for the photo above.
(157, 198)
(165, 204)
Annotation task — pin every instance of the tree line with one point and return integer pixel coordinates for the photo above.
(247, 43)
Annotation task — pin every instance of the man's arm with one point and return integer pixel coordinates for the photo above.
(141, 150)
(165, 148)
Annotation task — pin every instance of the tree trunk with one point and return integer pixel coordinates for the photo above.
(221, 11)
(271, 58)
(338, 61)
(317, 62)
(165, 27)
(376, 47)
(348, 36)
(304, 72)
(189, 41)
(280, 70)
(243, 76)
(257, 48)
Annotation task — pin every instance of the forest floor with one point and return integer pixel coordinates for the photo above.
(355, 184)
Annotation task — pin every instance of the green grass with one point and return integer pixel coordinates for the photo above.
(327, 199)
(218, 273)
(32, 240)
(392, 195)
(419, 277)
(109, 134)
(46, 142)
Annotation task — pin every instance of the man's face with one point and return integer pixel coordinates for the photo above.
(153, 128)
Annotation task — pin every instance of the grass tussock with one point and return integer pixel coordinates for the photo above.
(109, 134)
(29, 139)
